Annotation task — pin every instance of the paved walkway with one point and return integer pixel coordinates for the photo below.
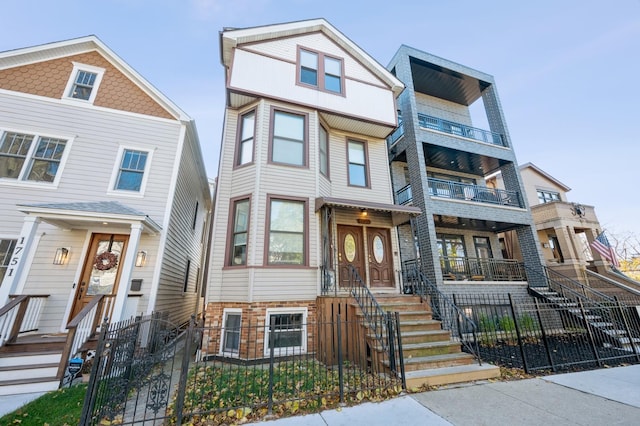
(599, 397)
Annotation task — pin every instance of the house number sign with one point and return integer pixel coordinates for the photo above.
(17, 255)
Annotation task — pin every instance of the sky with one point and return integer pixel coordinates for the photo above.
(567, 71)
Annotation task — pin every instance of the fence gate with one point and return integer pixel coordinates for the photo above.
(135, 371)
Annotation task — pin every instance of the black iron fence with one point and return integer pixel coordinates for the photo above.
(213, 375)
(538, 335)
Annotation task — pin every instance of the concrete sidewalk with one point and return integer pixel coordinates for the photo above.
(607, 396)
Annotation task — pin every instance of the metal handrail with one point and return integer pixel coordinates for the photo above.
(481, 269)
(374, 314)
(588, 292)
(404, 195)
(444, 309)
(475, 193)
(435, 123)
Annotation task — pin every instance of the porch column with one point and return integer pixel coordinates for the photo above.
(125, 275)
(18, 260)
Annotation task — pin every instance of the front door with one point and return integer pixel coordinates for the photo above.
(350, 251)
(380, 261)
(101, 271)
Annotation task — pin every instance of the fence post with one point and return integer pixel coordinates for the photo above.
(92, 387)
(340, 370)
(589, 333)
(400, 354)
(390, 339)
(520, 343)
(182, 384)
(272, 344)
(544, 336)
(628, 329)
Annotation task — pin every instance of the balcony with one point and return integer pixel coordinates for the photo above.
(486, 136)
(397, 134)
(478, 269)
(464, 192)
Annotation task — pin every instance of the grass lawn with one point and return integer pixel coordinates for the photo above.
(57, 408)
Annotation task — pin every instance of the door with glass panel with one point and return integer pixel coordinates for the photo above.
(380, 261)
(350, 252)
(452, 256)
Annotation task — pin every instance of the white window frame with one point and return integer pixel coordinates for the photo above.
(225, 313)
(77, 67)
(5, 261)
(26, 167)
(290, 350)
(116, 171)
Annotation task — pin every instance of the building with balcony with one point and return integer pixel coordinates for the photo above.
(440, 161)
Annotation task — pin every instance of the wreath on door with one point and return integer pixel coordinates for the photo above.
(105, 261)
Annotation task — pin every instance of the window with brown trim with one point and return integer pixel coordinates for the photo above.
(287, 232)
(323, 148)
(239, 233)
(357, 157)
(320, 70)
(289, 141)
(246, 134)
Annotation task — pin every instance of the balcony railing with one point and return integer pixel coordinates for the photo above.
(404, 195)
(397, 134)
(458, 129)
(468, 192)
(479, 269)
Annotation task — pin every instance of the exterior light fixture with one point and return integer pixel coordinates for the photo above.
(141, 258)
(364, 213)
(61, 256)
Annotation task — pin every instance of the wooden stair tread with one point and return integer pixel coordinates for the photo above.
(439, 358)
(28, 381)
(29, 366)
(30, 353)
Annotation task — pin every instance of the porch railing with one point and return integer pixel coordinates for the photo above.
(443, 308)
(480, 269)
(555, 278)
(20, 315)
(475, 193)
(83, 326)
(404, 195)
(435, 123)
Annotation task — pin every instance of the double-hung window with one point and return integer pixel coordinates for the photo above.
(83, 82)
(240, 232)
(244, 153)
(289, 140)
(132, 170)
(287, 229)
(320, 70)
(357, 154)
(230, 344)
(30, 157)
(6, 251)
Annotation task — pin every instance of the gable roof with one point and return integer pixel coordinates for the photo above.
(232, 37)
(91, 43)
(545, 174)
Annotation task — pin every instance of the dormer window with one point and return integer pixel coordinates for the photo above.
(83, 83)
(321, 71)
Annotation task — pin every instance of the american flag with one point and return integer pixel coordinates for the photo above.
(602, 246)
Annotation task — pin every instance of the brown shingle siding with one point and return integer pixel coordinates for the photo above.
(49, 79)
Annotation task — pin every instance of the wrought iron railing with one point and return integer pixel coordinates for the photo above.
(486, 136)
(468, 192)
(481, 269)
(565, 282)
(463, 329)
(376, 316)
(20, 315)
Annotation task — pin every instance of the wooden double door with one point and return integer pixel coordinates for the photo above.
(375, 265)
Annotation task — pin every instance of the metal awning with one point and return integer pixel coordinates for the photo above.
(399, 214)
